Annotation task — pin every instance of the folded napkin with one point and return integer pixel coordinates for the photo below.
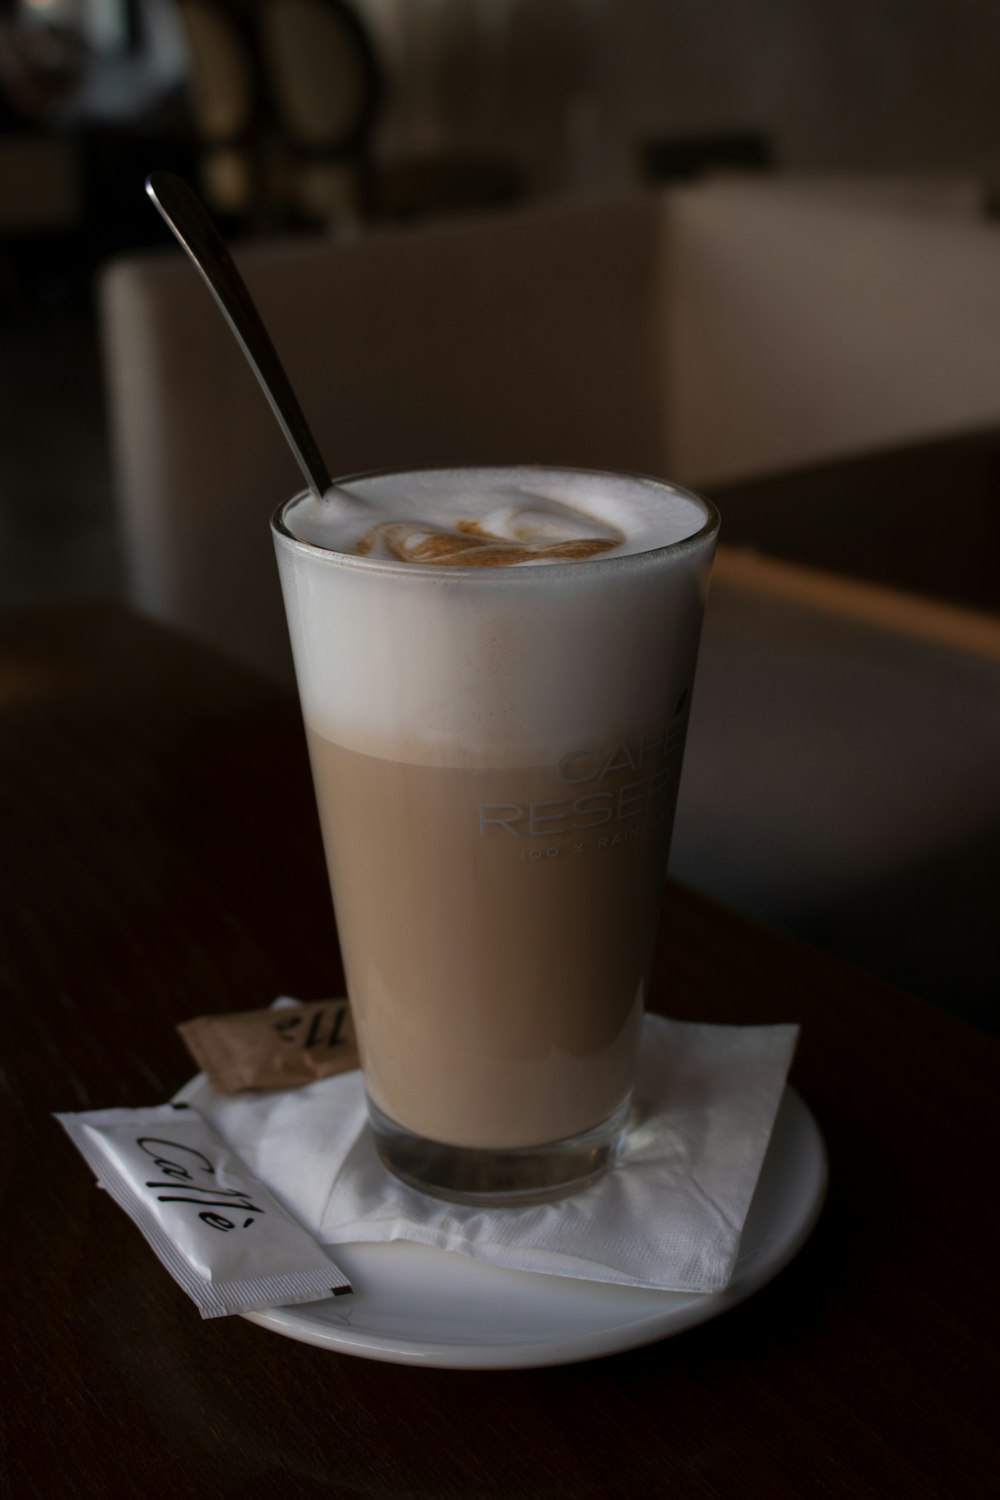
(669, 1216)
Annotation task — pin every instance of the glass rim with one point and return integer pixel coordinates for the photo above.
(385, 565)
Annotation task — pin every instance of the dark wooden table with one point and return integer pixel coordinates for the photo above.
(159, 859)
(923, 517)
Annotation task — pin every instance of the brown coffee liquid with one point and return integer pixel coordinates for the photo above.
(497, 927)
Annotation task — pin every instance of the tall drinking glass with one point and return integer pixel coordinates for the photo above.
(496, 753)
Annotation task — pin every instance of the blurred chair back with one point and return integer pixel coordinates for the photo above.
(226, 103)
(325, 87)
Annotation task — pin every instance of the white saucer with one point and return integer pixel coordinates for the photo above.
(414, 1305)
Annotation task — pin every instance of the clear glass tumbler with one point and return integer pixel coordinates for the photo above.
(496, 754)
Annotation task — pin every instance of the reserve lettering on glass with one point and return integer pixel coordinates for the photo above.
(631, 782)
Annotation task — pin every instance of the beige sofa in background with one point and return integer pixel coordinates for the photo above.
(704, 334)
(835, 763)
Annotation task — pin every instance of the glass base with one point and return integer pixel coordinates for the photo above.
(510, 1178)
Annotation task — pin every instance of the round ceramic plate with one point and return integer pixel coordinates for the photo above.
(414, 1305)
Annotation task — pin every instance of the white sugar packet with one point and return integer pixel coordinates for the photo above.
(670, 1216)
(222, 1236)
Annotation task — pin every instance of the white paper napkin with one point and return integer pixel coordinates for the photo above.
(669, 1216)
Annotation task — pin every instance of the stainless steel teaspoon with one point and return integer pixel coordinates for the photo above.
(187, 217)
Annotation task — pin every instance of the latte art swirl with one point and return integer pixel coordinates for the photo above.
(500, 518)
(471, 544)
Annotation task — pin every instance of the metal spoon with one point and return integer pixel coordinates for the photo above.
(187, 217)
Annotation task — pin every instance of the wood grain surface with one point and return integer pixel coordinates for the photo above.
(160, 859)
(922, 517)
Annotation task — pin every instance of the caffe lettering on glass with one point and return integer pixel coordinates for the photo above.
(608, 799)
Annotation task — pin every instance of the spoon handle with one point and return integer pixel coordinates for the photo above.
(187, 217)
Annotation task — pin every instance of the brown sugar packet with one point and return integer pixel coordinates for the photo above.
(276, 1048)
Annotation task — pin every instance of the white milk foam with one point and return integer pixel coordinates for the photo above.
(472, 665)
(529, 512)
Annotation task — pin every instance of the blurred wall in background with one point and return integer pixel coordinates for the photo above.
(571, 86)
